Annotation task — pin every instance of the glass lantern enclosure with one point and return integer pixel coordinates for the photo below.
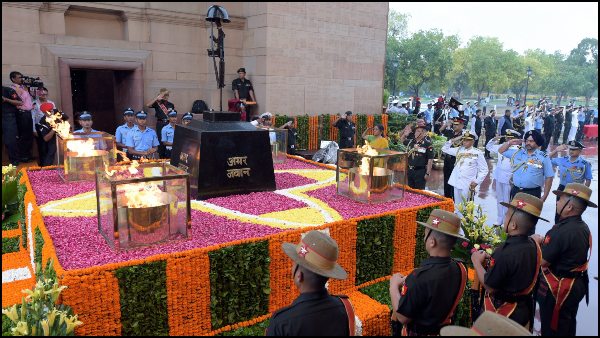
(278, 140)
(142, 205)
(81, 154)
(371, 178)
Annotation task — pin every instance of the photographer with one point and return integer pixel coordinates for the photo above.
(24, 120)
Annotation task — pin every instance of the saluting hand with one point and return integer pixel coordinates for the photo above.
(397, 281)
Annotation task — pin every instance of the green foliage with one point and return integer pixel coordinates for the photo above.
(280, 120)
(462, 314)
(10, 244)
(239, 283)
(11, 222)
(39, 245)
(361, 126)
(437, 142)
(374, 248)
(420, 252)
(425, 57)
(143, 297)
(21, 190)
(379, 292)
(6, 326)
(324, 121)
(257, 329)
(303, 128)
(38, 314)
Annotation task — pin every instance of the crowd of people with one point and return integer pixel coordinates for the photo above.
(527, 268)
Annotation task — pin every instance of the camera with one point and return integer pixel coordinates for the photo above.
(32, 82)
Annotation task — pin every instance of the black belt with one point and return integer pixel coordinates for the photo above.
(417, 167)
(526, 189)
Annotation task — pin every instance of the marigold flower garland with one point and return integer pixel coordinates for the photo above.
(96, 288)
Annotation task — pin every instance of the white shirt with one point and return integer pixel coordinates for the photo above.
(503, 172)
(529, 123)
(254, 123)
(470, 166)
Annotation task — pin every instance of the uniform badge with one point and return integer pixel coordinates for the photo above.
(404, 290)
(303, 251)
(546, 240)
(521, 204)
(492, 262)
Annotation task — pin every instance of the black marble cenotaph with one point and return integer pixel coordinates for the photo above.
(223, 156)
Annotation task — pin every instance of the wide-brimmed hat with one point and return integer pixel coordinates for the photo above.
(318, 253)
(526, 203)
(445, 222)
(578, 190)
(488, 324)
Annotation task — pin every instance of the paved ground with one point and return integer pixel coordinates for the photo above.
(587, 318)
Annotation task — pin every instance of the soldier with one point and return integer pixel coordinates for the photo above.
(564, 279)
(457, 129)
(549, 124)
(568, 124)
(531, 167)
(85, 120)
(470, 169)
(572, 168)
(420, 158)
(187, 118)
(503, 172)
(168, 133)
(142, 141)
(513, 268)
(425, 300)
(315, 312)
(347, 129)
(124, 129)
(560, 118)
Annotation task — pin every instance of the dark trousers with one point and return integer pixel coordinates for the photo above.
(537, 192)
(566, 133)
(547, 137)
(579, 135)
(416, 177)
(9, 136)
(556, 215)
(567, 318)
(557, 133)
(168, 153)
(161, 147)
(346, 142)
(25, 130)
(448, 189)
(476, 144)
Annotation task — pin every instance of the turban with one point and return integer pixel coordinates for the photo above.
(538, 138)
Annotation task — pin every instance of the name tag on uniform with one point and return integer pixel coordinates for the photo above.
(421, 150)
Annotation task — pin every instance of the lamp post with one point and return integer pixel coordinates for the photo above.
(395, 64)
(529, 71)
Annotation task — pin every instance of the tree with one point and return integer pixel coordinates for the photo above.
(458, 78)
(397, 23)
(487, 64)
(425, 57)
(585, 58)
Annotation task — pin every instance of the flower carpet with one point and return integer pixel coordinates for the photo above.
(305, 196)
(231, 272)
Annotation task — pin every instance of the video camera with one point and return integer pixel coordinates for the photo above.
(32, 82)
